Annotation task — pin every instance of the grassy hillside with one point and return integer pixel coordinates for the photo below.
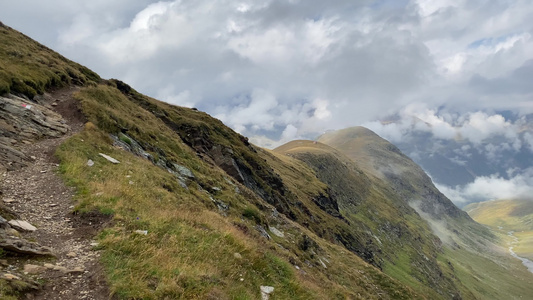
(192, 211)
(389, 229)
(29, 68)
(508, 215)
(195, 249)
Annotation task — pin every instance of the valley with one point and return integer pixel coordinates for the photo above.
(512, 220)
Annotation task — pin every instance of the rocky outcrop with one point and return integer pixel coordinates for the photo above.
(21, 122)
(216, 144)
(22, 246)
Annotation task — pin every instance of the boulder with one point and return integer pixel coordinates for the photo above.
(22, 225)
(276, 231)
(23, 121)
(22, 246)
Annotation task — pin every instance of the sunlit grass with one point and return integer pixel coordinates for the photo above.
(189, 251)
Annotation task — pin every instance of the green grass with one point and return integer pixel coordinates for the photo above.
(379, 223)
(189, 251)
(487, 277)
(29, 68)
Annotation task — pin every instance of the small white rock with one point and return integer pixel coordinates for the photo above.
(266, 291)
(109, 158)
(90, 163)
(275, 231)
(143, 232)
(9, 276)
(9, 200)
(22, 225)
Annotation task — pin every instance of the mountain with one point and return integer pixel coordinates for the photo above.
(462, 238)
(456, 161)
(134, 198)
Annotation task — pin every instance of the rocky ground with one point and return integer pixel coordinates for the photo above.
(63, 260)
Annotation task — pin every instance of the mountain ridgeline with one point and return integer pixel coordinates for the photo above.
(345, 217)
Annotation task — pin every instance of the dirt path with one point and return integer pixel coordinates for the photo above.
(39, 196)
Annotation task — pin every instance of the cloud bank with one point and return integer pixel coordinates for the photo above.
(277, 70)
(492, 188)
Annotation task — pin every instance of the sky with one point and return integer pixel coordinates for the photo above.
(281, 70)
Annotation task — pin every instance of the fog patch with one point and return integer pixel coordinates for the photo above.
(438, 227)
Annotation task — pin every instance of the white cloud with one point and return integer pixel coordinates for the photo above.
(183, 98)
(475, 127)
(492, 187)
(255, 114)
(528, 137)
(360, 59)
(480, 126)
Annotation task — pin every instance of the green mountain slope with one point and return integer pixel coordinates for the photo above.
(385, 226)
(219, 221)
(470, 251)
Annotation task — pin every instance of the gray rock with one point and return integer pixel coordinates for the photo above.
(22, 225)
(266, 291)
(3, 223)
(90, 163)
(183, 171)
(22, 246)
(109, 158)
(128, 143)
(263, 232)
(275, 231)
(22, 121)
(222, 207)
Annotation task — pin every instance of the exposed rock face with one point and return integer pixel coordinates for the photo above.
(23, 121)
(219, 145)
(22, 246)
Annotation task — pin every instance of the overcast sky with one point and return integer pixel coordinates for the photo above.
(279, 70)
